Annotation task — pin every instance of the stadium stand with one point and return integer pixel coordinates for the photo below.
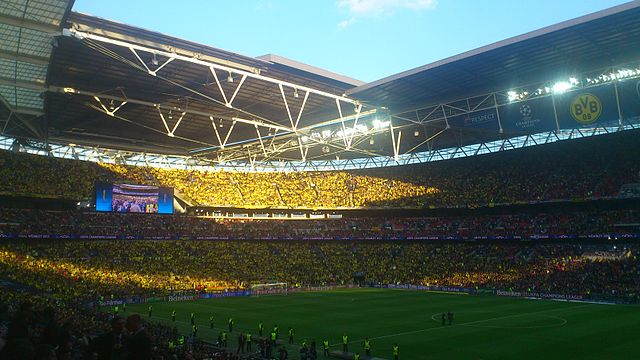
(560, 171)
(559, 219)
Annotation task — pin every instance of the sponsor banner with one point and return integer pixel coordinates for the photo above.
(182, 297)
(531, 116)
(539, 295)
(481, 119)
(590, 107)
(110, 302)
(97, 237)
(432, 288)
(629, 95)
(225, 294)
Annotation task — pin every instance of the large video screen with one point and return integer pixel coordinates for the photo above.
(128, 198)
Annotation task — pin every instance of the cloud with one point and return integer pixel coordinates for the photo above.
(345, 23)
(373, 8)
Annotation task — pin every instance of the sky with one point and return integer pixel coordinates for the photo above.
(363, 39)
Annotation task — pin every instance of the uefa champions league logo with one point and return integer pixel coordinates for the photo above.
(525, 111)
(526, 122)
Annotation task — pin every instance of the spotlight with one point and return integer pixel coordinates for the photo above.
(371, 142)
(295, 93)
(111, 106)
(154, 59)
(230, 77)
(170, 115)
(416, 133)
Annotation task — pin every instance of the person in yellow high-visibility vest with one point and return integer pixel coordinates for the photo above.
(325, 347)
(248, 339)
(367, 347)
(356, 356)
(345, 343)
(395, 351)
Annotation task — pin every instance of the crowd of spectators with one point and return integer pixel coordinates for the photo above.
(21, 223)
(36, 326)
(74, 269)
(586, 168)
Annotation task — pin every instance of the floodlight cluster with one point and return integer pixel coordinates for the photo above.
(563, 86)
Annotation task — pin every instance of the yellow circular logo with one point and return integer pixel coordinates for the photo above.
(586, 108)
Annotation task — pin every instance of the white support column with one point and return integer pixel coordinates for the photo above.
(304, 102)
(215, 130)
(163, 120)
(107, 111)
(222, 143)
(396, 144)
(355, 124)
(344, 129)
(495, 105)
(286, 105)
(620, 121)
(177, 124)
(224, 96)
(6, 123)
(264, 150)
(244, 77)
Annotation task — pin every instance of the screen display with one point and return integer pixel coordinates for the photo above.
(128, 198)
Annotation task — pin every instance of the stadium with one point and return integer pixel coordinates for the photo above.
(164, 199)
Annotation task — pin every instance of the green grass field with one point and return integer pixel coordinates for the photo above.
(485, 327)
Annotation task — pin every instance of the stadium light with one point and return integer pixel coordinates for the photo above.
(561, 87)
(295, 93)
(377, 124)
(154, 59)
(512, 95)
(230, 77)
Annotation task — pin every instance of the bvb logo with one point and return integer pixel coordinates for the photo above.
(586, 108)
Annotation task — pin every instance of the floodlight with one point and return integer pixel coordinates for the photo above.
(561, 87)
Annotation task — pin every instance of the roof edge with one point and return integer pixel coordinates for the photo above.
(502, 43)
(277, 59)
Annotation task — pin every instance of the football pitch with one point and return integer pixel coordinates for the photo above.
(484, 327)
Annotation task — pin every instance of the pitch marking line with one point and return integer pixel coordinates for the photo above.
(471, 323)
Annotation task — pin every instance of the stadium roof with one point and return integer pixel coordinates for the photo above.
(26, 30)
(116, 86)
(602, 39)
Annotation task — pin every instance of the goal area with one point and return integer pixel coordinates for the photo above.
(279, 288)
